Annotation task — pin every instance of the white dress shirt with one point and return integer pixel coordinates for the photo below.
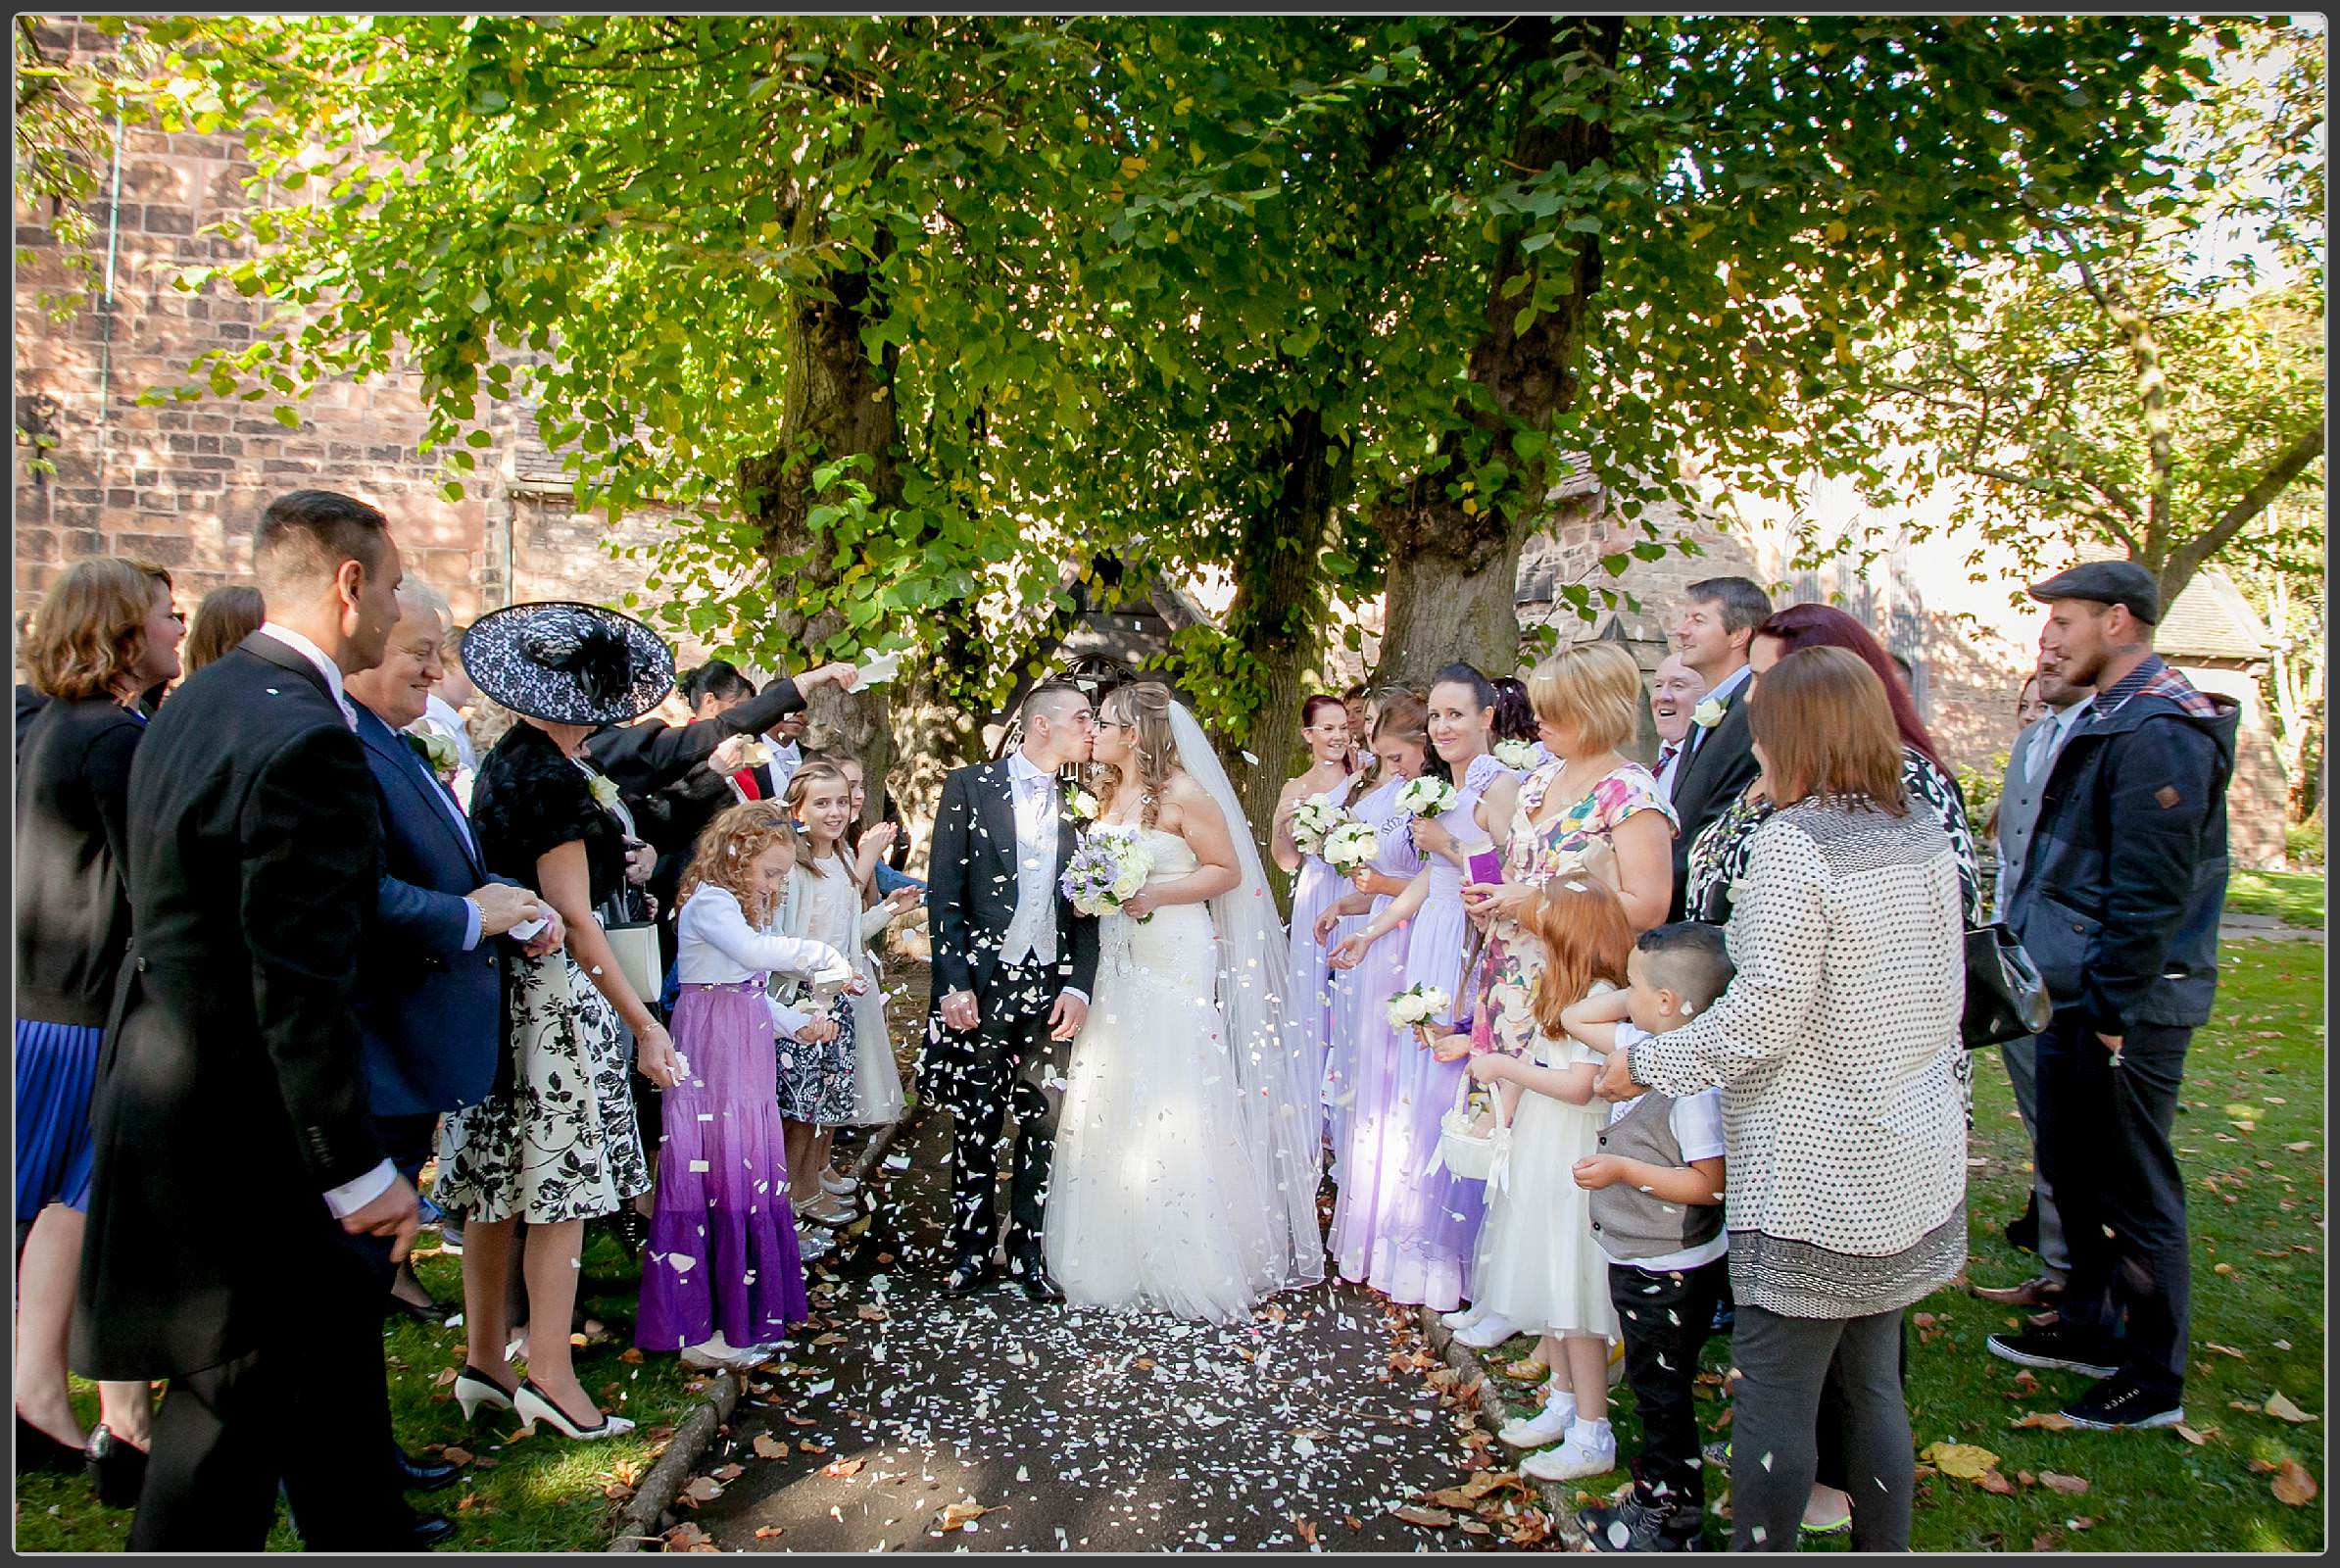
(441, 715)
(2043, 751)
(1032, 931)
(1670, 755)
(1723, 692)
(350, 1197)
(787, 757)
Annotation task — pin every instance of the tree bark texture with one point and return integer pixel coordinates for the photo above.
(1453, 573)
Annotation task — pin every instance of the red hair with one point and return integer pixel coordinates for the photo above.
(1802, 626)
(1308, 713)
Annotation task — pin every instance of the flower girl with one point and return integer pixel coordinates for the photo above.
(722, 1279)
(1538, 1268)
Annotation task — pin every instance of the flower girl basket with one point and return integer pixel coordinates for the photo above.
(1474, 1154)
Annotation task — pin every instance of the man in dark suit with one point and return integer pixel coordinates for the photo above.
(233, 1055)
(431, 987)
(1711, 633)
(1012, 969)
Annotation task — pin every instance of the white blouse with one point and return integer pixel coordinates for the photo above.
(717, 946)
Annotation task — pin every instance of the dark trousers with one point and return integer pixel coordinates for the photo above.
(1014, 1063)
(309, 1410)
(1665, 1319)
(2105, 1148)
(1782, 1364)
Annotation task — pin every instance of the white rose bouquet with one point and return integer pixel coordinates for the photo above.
(1417, 1004)
(1428, 797)
(1106, 871)
(1351, 844)
(1518, 755)
(1311, 822)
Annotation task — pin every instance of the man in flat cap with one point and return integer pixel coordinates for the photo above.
(2119, 906)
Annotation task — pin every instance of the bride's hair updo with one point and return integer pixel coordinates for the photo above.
(1144, 707)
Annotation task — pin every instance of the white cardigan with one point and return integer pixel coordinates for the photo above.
(795, 918)
(715, 946)
(1833, 1046)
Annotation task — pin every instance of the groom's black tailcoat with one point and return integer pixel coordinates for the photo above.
(1008, 1055)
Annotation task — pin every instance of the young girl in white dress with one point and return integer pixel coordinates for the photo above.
(877, 1079)
(1537, 1267)
(819, 1080)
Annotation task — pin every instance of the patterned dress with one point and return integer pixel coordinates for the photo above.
(1578, 839)
(1718, 863)
(558, 1140)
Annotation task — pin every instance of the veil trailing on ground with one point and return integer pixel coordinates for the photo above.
(1279, 1108)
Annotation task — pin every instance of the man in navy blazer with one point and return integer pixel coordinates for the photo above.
(431, 982)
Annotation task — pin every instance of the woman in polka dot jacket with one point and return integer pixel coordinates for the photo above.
(1833, 1046)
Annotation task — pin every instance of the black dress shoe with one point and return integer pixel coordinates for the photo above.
(967, 1276)
(434, 1313)
(37, 1451)
(1030, 1275)
(430, 1529)
(423, 1474)
(2023, 1231)
(117, 1469)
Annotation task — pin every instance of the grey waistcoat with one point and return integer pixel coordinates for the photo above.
(1629, 1223)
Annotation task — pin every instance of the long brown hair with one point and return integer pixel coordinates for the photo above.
(800, 785)
(1822, 717)
(224, 618)
(1144, 707)
(1585, 938)
(729, 848)
(1402, 712)
(1801, 626)
(90, 630)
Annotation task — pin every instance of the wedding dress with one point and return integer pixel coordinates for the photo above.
(1187, 1151)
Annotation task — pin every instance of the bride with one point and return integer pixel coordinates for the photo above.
(1187, 1153)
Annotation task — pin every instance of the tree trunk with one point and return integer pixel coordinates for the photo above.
(838, 405)
(1454, 572)
(1278, 613)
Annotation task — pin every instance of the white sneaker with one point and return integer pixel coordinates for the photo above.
(1548, 1425)
(1490, 1331)
(1591, 1451)
(1464, 1318)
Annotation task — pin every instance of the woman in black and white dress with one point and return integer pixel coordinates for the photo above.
(555, 1143)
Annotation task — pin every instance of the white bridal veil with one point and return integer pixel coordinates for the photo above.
(1279, 1108)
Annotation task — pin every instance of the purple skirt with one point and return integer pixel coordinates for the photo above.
(722, 1252)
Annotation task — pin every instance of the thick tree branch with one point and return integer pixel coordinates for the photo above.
(2184, 562)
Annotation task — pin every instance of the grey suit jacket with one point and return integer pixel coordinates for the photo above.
(2018, 810)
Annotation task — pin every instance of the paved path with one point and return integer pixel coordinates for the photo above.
(1080, 1430)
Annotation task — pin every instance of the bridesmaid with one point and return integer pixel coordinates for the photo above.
(1307, 992)
(1400, 747)
(1408, 1235)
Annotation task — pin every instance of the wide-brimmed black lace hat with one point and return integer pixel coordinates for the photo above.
(568, 663)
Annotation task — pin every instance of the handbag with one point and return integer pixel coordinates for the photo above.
(2005, 999)
(635, 944)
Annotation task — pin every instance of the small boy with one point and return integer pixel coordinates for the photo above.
(1656, 1188)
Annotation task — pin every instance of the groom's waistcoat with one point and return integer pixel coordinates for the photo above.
(975, 876)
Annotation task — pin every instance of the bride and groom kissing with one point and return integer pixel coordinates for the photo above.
(1167, 1147)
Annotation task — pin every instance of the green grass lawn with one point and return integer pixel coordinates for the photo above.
(2294, 897)
(2251, 1141)
(541, 1493)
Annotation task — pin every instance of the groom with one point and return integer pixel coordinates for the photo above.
(1012, 969)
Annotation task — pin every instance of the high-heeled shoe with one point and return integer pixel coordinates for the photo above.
(37, 1451)
(534, 1406)
(473, 1389)
(117, 1468)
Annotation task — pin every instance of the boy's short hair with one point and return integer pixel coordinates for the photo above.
(1688, 958)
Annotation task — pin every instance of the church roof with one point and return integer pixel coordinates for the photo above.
(2212, 620)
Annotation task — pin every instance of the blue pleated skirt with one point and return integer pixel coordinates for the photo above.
(56, 1075)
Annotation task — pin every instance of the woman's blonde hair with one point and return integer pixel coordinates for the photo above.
(1399, 712)
(1585, 938)
(1594, 687)
(90, 630)
(1144, 705)
(730, 846)
(800, 785)
(1826, 726)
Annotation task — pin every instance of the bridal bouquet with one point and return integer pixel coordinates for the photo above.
(1350, 844)
(1311, 822)
(1428, 797)
(1518, 755)
(1417, 1004)
(1106, 871)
